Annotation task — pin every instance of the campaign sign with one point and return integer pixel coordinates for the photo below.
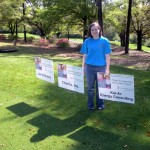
(116, 87)
(44, 69)
(71, 78)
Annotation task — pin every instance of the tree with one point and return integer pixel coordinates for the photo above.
(128, 27)
(52, 14)
(12, 17)
(140, 20)
(115, 15)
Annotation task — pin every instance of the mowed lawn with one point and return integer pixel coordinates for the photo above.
(37, 115)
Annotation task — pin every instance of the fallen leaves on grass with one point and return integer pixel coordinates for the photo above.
(148, 134)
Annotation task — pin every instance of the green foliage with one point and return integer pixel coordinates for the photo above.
(73, 36)
(12, 37)
(30, 39)
(131, 46)
(133, 38)
(116, 38)
(147, 43)
(52, 40)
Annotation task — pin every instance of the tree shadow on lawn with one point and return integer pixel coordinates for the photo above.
(125, 118)
(115, 116)
(22, 109)
(87, 136)
(132, 119)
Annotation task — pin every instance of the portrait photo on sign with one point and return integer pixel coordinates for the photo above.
(62, 72)
(103, 80)
(38, 63)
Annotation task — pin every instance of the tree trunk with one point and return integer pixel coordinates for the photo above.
(84, 27)
(16, 29)
(42, 33)
(128, 27)
(122, 39)
(100, 14)
(12, 28)
(25, 38)
(139, 40)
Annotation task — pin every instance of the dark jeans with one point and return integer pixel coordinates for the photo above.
(91, 79)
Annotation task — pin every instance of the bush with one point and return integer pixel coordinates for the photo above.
(133, 38)
(52, 40)
(72, 36)
(2, 37)
(30, 39)
(147, 43)
(79, 46)
(12, 37)
(116, 38)
(42, 42)
(63, 42)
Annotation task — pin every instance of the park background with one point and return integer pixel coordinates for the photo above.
(39, 115)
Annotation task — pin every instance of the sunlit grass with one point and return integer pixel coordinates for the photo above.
(21, 35)
(132, 46)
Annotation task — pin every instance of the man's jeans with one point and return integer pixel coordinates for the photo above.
(91, 79)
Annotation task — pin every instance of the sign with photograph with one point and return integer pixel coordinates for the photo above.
(116, 87)
(71, 78)
(44, 69)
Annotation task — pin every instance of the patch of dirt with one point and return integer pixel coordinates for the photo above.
(135, 59)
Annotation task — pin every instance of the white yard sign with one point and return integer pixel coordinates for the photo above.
(44, 69)
(117, 87)
(71, 78)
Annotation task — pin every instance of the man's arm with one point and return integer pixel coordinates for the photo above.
(83, 62)
(107, 64)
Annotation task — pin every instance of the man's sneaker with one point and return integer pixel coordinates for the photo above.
(91, 108)
(101, 108)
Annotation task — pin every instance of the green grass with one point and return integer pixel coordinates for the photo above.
(37, 115)
(132, 46)
(21, 35)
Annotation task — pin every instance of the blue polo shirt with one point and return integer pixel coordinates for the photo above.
(95, 50)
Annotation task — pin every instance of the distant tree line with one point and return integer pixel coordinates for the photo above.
(48, 17)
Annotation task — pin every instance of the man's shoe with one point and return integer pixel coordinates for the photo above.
(101, 108)
(91, 108)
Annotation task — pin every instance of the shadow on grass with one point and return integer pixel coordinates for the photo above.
(49, 125)
(87, 136)
(95, 139)
(22, 109)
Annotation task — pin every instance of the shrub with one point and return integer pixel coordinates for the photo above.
(73, 35)
(2, 37)
(30, 39)
(147, 43)
(133, 38)
(42, 42)
(63, 42)
(52, 40)
(12, 37)
(79, 46)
